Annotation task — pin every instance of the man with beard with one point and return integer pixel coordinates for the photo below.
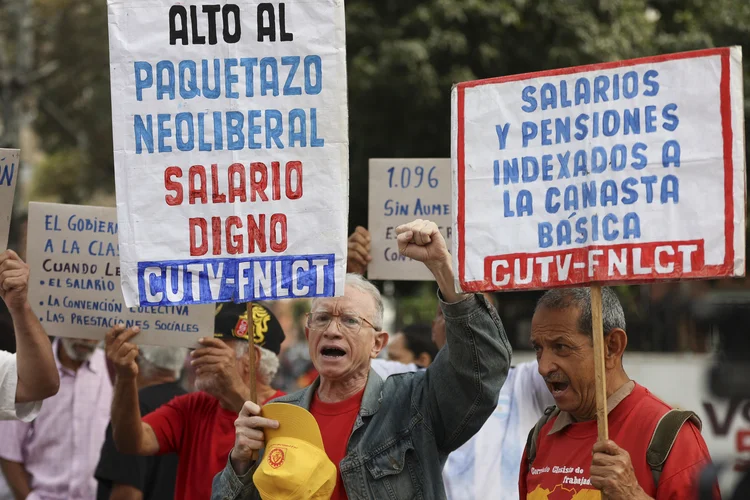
(54, 457)
(199, 426)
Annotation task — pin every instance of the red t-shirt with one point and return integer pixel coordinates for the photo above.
(336, 421)
(561, 468)
(201, 432)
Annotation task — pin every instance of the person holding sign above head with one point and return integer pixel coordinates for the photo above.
(654, 452)
(198, 427)
(388, 439)
(30, 375)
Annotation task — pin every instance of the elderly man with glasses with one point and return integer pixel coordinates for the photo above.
(387, 439)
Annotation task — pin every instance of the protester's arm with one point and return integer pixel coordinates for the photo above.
(522, 476)
(612, 473)
(123, 475)
(358, 251)
(9, 408)
(217, 358)
(612, 469)
(228, 485)
(385, 367)
(460, 388)
(17, 478)
(236, 480)
(35, 363)
(125, 492)
(13, 436)
(130, 433)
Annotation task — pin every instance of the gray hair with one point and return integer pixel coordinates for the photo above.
(269, 361)
(171, 359)
(363, 285)
(562, 298)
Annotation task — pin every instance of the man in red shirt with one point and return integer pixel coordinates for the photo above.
(570, 463)
(388, 438)
(199, 426)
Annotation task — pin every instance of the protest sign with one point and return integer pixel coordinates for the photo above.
(9, 160)
(75, 288)
(231, 149)
(631, 171)
(402, 190)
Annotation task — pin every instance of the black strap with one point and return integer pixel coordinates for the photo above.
(664, 438)
(533, 438)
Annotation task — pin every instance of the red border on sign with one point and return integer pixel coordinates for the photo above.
(725, 269)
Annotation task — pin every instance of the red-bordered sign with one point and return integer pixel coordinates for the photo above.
(656, 260)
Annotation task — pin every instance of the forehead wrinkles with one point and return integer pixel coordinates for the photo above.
(542, 330)
(354, 302)
(341, 305)
(337, 304)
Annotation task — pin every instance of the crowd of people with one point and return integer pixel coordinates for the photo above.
(433, 411)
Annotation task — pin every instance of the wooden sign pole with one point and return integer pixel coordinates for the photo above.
(251, 353)
(599, 367)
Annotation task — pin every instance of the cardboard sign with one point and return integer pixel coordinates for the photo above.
(9, 162)
(631, 171)
(75, 281)
(231, 149)
(402, 190)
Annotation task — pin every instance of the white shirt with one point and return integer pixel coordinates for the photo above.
(9, 409)
(487, 466)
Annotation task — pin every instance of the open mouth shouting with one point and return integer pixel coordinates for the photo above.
(558, 389)
(331, 352)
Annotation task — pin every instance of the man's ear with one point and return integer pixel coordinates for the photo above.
(615, 343)
(257, 357)
(307, 333)
(381, 340)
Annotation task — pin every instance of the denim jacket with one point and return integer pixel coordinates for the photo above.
(407, 425)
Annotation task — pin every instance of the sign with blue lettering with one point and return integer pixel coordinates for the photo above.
(401, 190)
(9, 159)
(631, 171)
(75, 287)
(231, 149)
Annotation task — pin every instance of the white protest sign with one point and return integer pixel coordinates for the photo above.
(631, 171)
(231, 149)
(401, 190)
(9, 161)
(75, 281)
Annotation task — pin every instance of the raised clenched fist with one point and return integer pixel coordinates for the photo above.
(14, 280)
(421, 240)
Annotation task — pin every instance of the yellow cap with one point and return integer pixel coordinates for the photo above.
(295, 464)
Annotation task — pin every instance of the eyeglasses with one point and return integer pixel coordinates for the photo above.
(347, 323)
